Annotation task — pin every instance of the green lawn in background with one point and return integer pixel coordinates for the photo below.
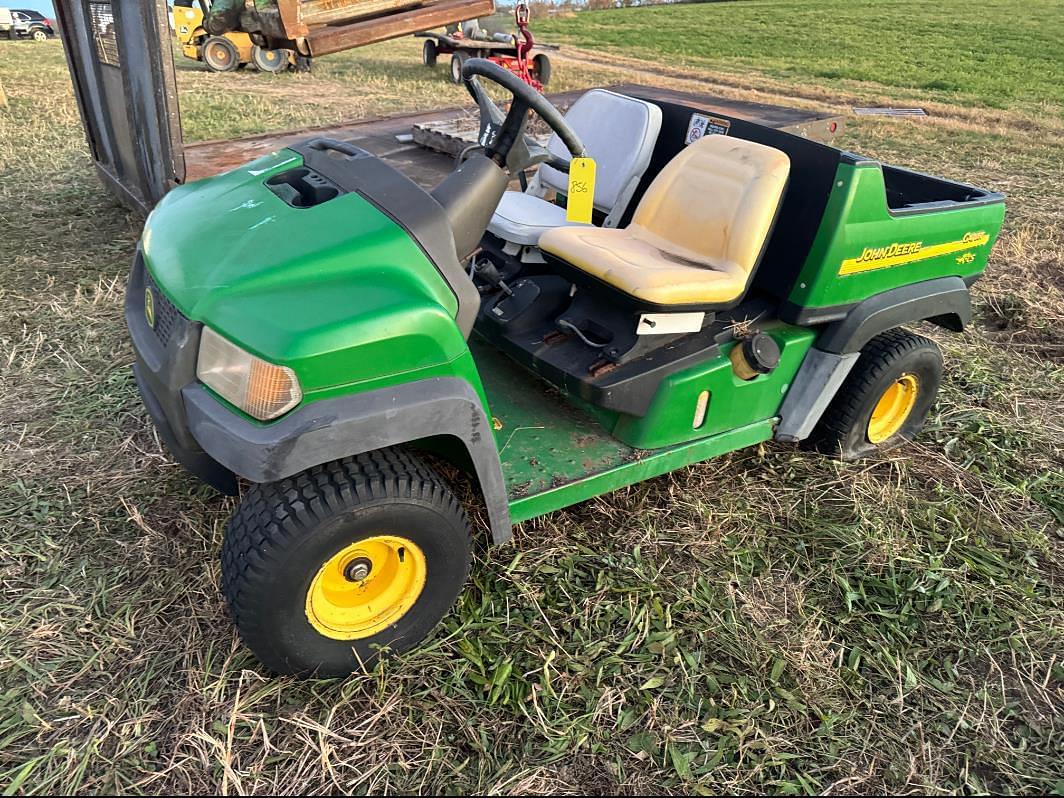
(997, 53)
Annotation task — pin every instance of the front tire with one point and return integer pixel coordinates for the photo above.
(885, 399)
(220, 54)
(326, 568)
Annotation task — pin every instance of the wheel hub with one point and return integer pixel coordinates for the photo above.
(366, 587)
(220, 54)
(357, 570)
(893, 408)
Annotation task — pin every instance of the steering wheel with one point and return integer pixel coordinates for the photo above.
(503, 135)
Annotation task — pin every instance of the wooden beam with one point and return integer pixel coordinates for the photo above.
(333, 39)
(334, 12)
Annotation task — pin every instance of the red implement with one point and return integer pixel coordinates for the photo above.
(513, 52)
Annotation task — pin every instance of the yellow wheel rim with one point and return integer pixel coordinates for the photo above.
(220, 55)
(893, 408)
(366, 587)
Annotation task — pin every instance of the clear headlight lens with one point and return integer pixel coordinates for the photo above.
(260, 389)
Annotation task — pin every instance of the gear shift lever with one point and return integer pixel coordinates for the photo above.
(486, 270)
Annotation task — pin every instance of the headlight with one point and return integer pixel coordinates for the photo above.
(260, 389)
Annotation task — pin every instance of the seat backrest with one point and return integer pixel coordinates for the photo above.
(619, 132)
(715, 203)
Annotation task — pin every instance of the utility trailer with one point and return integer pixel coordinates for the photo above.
(513, 52)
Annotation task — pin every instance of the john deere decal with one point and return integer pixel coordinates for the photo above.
(901, 253)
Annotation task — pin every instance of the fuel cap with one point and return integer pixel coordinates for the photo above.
(756, 355)
(761, 352)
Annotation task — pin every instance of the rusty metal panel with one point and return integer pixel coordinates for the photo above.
(331, 12)
(334, 38)
(289, 12)
(427, 167)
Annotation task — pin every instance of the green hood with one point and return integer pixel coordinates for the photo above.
(338, 291)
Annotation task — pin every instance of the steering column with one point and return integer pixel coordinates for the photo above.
(471, 193)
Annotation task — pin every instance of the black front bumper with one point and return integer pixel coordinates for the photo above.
(165, 364)
(216, 444)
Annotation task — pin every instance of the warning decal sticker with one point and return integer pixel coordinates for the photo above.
(702, 125)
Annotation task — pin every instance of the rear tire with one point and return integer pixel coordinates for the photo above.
(457, 61)
(220, 54)
(428, 53)
(541, 68)
(39, 35)
(271, 61)
(885, 399)
(300, 557)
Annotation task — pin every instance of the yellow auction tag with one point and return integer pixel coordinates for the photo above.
(581, 190)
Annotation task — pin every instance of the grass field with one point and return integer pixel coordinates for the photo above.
(986, 54)
(771, 621)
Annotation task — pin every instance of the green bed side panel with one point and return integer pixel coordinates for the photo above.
(863, 248)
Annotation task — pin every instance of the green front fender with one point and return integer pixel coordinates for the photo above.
(353, 424)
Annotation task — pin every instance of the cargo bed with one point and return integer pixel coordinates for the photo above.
(428, 167)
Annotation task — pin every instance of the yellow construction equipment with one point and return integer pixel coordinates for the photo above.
(320, 27)
(225, 53)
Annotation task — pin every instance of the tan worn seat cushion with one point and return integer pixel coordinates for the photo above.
(698, 231)
(640, 269)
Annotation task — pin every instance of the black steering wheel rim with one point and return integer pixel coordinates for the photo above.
(525, 98)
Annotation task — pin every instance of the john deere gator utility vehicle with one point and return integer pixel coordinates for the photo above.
(314, 323)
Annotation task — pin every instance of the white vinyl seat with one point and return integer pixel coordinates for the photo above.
(619, 133)
(523, 218)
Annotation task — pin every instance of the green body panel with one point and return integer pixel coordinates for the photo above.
(463, 367)
(733, 402)
(641, 466)
(857, 222)
(555, 453)
(338, 292)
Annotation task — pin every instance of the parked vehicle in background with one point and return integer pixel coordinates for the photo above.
(32, 24)
(9, 28)
(509, 51)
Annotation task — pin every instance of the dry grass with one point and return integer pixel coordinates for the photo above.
(769, 621)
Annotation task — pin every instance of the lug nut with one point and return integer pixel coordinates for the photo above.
(358, 569)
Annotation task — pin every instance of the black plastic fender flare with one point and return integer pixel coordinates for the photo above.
(330, 429)
(944, 300)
